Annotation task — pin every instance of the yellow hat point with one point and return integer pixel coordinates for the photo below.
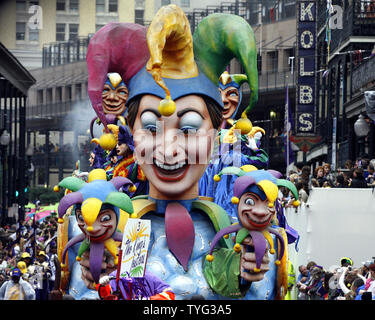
(56, 188)
(133, 216)
(244, 124)
(78, 258)
(270, 205)
(210, 258)
(90, 228)
(277, 262)
(167, 107)
(226, 236)
(256, 270)
(62, 265)
(107, 141)
(132, 188)
(217, 178)
(272, 251)
(235, 200)
(97, 174)
(296, 203)
(237, 247)
(116, 261)
(60, 220)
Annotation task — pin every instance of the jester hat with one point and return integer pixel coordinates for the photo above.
(116, 48)
(181, 64)
(94, 194)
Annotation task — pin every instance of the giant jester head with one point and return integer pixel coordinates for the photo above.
(97, 202)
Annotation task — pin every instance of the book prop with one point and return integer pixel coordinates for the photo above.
(98, 203)
(255, 192)
(134, 247)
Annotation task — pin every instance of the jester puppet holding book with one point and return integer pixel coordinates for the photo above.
(174, 111)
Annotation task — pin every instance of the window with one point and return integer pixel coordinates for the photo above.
(33, 34)
(68, 93)
(49, 95)
(78, 91)
(165, 2)
(60, 31)
(73, 31)
(39, 97)
(98, 26)
(21, 5)
(73, 5)
(272, 61)
(58, 95)
(139, 16)
(185, 3)
(100, 6)
(112, 6)
(20, 30)
(60, 5)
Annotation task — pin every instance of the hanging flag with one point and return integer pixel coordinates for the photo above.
(288, 125)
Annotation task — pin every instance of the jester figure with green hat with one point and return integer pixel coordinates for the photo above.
(234, 148)
(174, 112)
(93, 229)
(255, 192)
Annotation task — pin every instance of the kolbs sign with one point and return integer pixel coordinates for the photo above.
(306, 45)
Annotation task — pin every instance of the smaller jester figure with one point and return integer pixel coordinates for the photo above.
(255, 192)
(97, 209)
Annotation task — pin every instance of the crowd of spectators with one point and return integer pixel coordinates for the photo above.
(354, 175)
(344, 282)
(28, 260)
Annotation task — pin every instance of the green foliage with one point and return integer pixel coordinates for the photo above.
(45, 195)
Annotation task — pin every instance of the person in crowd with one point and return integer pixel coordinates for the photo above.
(16, 288)
(370, 178)
(302, 279)
(319, 176)
(302, 192)
(328, 174)
(341, 182)
(358, 180)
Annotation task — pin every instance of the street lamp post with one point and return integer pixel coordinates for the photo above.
(361, 129)
(4, 142)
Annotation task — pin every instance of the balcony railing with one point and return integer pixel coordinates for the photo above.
(363, 74)
(358, 20)
(270, 81)
(45, 111)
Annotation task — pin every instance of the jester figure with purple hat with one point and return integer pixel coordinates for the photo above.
(255, 192)
(100, 213)
(127, 165)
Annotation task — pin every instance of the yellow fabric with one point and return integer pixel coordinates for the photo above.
(15, 293)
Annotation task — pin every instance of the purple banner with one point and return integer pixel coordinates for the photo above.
(306, 45)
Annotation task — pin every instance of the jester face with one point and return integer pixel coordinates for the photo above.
(231, 98)
(114, 95)
(253, 212)
(104, 226)
(176, 149)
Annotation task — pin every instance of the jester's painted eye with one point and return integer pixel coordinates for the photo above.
(105, 90)
(105, 218)
(233, 94)
(80, 216)
(250, 201)
(190, 121)
(149, 121)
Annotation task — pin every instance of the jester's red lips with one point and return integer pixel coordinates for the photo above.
(170, 172)
(257, 222)
(102, 236)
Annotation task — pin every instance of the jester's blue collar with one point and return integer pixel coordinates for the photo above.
(161, 205)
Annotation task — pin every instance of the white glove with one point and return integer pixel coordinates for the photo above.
(104, 280)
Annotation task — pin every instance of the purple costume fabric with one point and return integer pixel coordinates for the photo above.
(145, 287)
